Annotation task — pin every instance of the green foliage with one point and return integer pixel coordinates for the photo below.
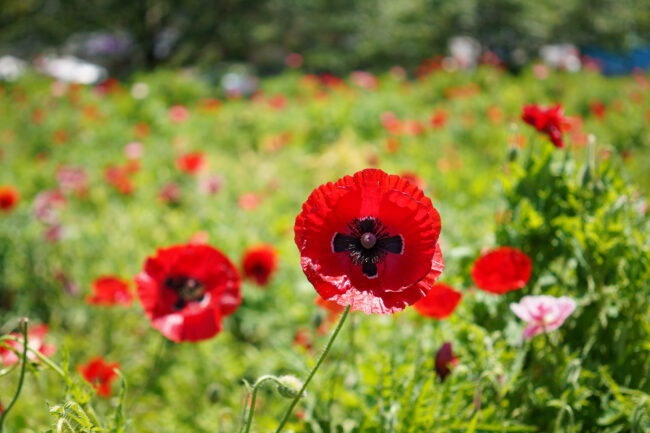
(576, 212)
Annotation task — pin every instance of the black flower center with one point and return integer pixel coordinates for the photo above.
(368, 243)
(188, 289)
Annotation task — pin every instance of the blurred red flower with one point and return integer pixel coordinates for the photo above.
(598, 109)
(502, 270)
(445, 359)
(35, 341)
(9, 198)
(72, 179)
(278, 102)
(259, 263)
(170, 193)
(186, 290)
(293, 60)
(249, 201)
(439, 303)
(100, 374)
(439, 118)
(178, 113)
(109, 290)
(191, 163)
(550, 121)
(331, 306)
(118, 176)
(370, 241)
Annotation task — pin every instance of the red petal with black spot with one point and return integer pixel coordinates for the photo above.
(259, 263)
(440, 302)
(370, 241)
(186, 290)
(502, 270)
(100, 374)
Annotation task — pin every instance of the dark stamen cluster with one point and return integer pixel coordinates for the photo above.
(368, 243)
(188, 289)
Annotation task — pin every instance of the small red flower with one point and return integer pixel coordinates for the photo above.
(72, 179)
(303, 339)
(293, 60)
(109, 290)
(598, 109)
(439, 118)
(502, 270)
(191, 163)
(35, 341)
(100, 374)
(119, 177)
(259, 263)
(440, 302)
(444, 359)
(186, 290)
(178, 113)
(9, 198)
(370, 241)
(170, 193)
(331, 306)
(249, 201)
(550, 121)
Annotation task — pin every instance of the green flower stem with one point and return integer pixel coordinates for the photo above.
(23, 325)
(44, 359)
(256, 387)
(294, 402)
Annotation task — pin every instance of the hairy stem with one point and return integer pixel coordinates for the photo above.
(326, 350)
(23, 326)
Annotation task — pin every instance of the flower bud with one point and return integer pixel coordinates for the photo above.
(289, 386)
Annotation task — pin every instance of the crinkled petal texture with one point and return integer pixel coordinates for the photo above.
(194, 320)
(543, 313)
(403, 276)
(440, 302)
(502, 270)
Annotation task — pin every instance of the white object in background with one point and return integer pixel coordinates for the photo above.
(11, 68)
(561, 56)
(71, 69)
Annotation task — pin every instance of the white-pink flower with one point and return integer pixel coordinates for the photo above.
(543, 313)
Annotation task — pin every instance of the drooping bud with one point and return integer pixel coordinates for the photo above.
(289, 386)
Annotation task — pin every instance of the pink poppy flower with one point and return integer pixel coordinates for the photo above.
(543, 313)
(35, 341)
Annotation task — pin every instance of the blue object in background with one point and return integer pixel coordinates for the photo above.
(618, 64)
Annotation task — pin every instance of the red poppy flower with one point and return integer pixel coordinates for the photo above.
(100, 374)
(72, 179)
(9, 198)
(502, 270)
(444, 359)
(331, 306)
(370, 241)
(170, 193)
(119, 177)
(439, 118)
(598, 109)
(191, 163)
(110, 290)
(440, 302)
(35, 341)
(293, 60)
(259, 263)
(186, 290)
(249, 201)
(550, 121)
(178, 113)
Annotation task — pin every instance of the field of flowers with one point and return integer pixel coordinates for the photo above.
(165, 241)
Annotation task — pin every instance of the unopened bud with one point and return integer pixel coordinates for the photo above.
(289, 386)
